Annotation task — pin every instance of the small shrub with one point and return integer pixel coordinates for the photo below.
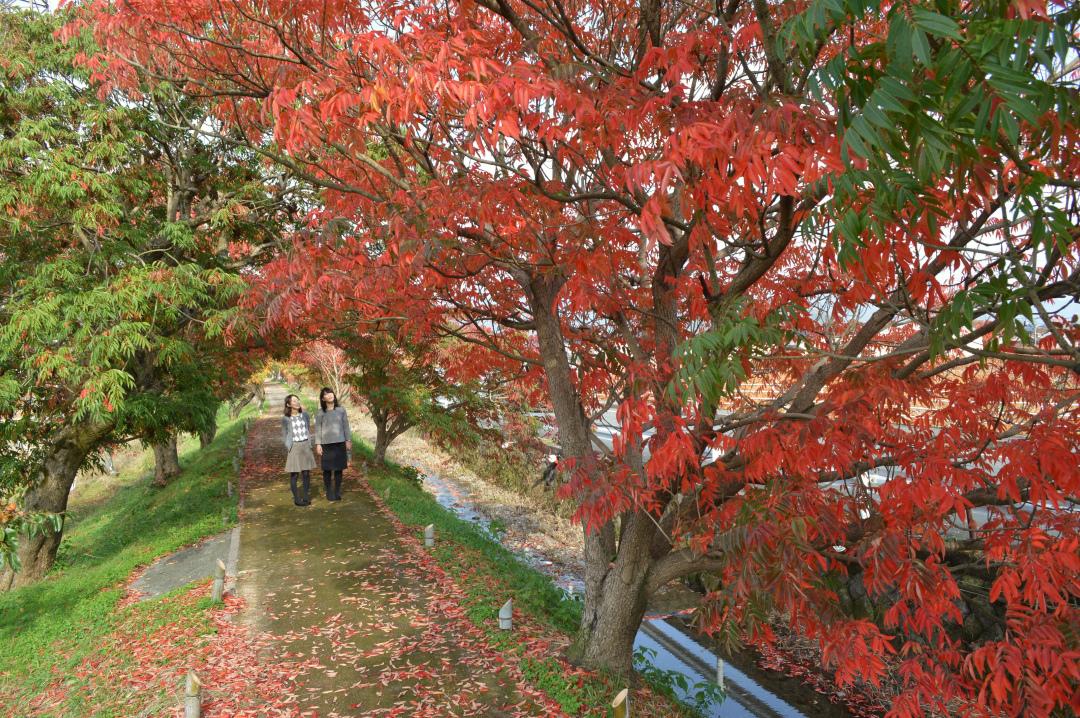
(412, 475)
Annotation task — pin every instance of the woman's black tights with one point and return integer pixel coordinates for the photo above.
(333, 493)
(306, 498)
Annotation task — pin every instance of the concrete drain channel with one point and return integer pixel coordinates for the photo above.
(675, 651)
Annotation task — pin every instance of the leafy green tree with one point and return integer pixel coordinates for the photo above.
(124, 236)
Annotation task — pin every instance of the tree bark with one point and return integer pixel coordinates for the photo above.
(166, 461)
(611, 619)
(50, 494)
(615, 579)
(206, 437)
(612, 616)
(386, 430)
(382, 441)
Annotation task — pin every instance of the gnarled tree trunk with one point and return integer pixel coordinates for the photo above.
(50, 494)
(166, 461)
(621, 572)
(615, 595)
(382, 441)
(386, 430)
(620, 595)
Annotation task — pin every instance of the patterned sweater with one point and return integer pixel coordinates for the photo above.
(295, 428)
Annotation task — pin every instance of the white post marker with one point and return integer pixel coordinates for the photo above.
(506, 615)
(192, 696)
(720, 673)
(219, 581)
(429, 535)
(621, 704)
(236, 464)
(228, 489)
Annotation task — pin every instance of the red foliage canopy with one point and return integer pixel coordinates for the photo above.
(776, 240)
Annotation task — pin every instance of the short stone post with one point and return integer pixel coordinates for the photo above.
(236, 464)
(219, 581)
(720, 673)
(192, 696)
(429, 535)
(506, 615)
(228, 489)
(621, 704)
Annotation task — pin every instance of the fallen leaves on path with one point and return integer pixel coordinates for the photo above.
(393, 639)
(396, 640)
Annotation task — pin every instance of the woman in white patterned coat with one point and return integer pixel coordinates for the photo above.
(296, 435)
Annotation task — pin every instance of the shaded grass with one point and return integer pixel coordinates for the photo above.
(489, 574)
(103, 691)
(54, 624)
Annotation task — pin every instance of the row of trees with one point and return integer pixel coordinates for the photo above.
(124, 237)
(864, 212)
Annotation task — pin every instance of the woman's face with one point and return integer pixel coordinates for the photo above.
(294, 404)
(328, 397)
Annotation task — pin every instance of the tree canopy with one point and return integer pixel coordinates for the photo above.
(817, 257)
(124, 236)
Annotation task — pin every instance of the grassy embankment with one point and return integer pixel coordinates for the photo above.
(114, 526)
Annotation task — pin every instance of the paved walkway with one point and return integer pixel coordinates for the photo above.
(351, 606)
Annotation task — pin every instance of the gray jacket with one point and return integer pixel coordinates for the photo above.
(286, 430)
(332, 427)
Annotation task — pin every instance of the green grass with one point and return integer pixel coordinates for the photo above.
(488, 573)
(59, 621)
(101, 692)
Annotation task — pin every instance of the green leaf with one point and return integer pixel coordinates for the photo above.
(921, 47)
(936, 24)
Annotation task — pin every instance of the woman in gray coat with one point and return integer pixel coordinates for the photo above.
(296, 435)
(333, 441)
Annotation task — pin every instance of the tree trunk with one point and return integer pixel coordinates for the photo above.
(617, 593)
(166, 461)
(619, 577)
(382, 442)
(50, 494)
(611, 619)
(206, 437)
(387, 428)
(615, 580)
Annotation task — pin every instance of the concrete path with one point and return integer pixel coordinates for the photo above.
(352, 608)
(193, 563)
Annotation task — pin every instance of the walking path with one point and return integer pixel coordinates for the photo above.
(351, 601)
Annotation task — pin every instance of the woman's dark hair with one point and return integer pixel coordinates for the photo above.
(288, 409)
(327, 390)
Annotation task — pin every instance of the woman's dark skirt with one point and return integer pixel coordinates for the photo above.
(334, 457)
